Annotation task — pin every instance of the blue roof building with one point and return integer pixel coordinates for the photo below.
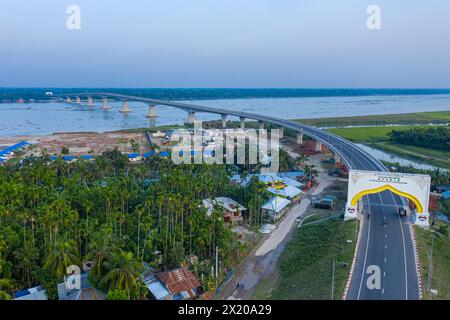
(87, 157)
(36, 293)
(134, 157)
(446, 195)
(16, 147)
(165, 154)
(69, 158)
(149, 154)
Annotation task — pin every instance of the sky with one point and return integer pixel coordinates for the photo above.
(225, 44)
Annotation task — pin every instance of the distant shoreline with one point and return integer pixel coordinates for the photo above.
(190, 94)
(405, 119)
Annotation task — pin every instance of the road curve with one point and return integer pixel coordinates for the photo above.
(385, 239)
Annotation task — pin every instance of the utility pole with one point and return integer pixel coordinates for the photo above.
(332, 280)
(217, 262)
(430, 265)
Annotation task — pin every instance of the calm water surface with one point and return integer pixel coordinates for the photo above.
(47, 118)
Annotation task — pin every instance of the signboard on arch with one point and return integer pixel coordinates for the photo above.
(414, 187)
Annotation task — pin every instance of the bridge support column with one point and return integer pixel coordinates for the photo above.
(78, 100)
(281, 132)
(190, 118)
(242, 120)
(125, 108)
(105, 104)
(300, 138)
(262, 124)
(318, 146)
(90, 102)
(151, 111)
(224, 120)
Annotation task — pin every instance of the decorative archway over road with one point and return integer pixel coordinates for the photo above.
(414, 187)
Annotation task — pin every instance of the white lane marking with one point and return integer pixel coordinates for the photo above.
(385, 236)
(382, 291)
(365, 256)
(404, 250)
(385, 247)
(384, 274)
(384, 217)
(385, 259)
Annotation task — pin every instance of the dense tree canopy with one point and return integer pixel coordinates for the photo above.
(54, 214)
(430, 137)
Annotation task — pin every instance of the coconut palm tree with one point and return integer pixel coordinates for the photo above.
(5, 286)
(100, 250)
(62, 255)
(301, 159)
(124, 272)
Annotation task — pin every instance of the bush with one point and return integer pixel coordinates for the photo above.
(117, 295)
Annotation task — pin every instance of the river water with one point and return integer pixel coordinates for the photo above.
(47, 118)
(382, 155)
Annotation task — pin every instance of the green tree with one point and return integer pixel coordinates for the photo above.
(124, 273)
(62, 255)
(117, 295)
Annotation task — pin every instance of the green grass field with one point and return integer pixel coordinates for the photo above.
(440, 275)
(367, 134)
(306, 264)
(436, 117)
(378, 137)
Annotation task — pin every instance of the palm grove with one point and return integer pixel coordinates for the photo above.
(119, 216)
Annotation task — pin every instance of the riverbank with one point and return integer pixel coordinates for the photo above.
(417, 118)
(433, 157)
(377, 137)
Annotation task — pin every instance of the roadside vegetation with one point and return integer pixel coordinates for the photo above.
(434, 253)
(305, 268)
(306, 264)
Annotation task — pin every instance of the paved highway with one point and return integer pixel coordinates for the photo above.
(385, 238)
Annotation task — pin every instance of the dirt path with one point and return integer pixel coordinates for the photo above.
(262, 262)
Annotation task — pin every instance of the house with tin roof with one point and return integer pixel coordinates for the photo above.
(177, 284)
(276, 207)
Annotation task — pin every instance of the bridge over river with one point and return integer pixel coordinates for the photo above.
(385, 240)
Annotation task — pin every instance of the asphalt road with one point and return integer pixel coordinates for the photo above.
(385, 239)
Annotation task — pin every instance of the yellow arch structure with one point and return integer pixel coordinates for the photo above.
(392, 189)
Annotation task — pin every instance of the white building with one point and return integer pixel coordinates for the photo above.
(276, 207)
